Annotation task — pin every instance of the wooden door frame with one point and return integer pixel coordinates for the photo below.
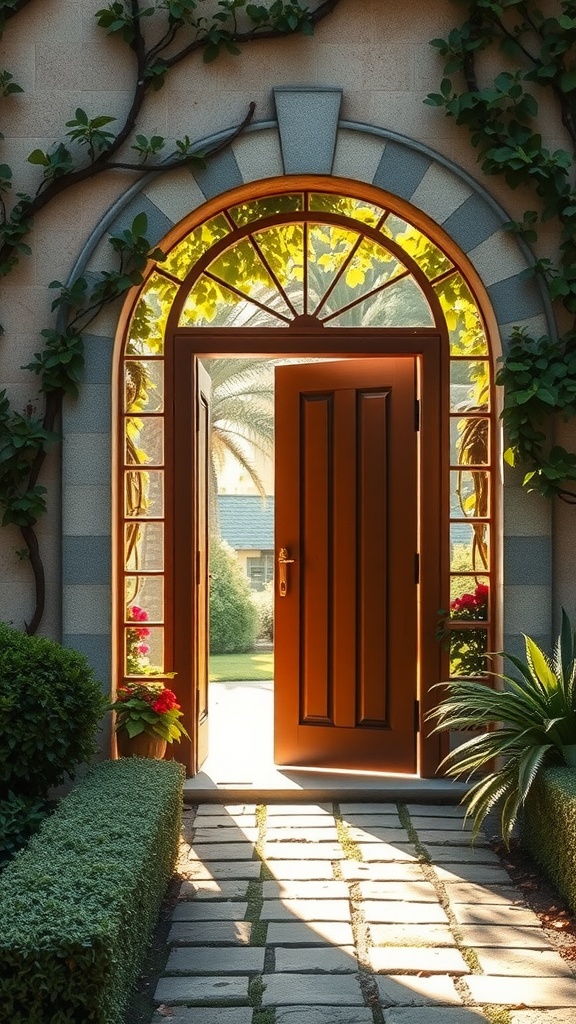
(186, 346)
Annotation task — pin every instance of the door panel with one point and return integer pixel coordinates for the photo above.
(346, 633)
(190, 550)
(202, 467)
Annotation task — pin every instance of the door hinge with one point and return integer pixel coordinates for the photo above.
(417, 414)
(416, 716)
(417, 568)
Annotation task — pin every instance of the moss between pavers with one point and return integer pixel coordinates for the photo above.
(351, 848)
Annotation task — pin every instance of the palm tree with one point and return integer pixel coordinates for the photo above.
(242, 418)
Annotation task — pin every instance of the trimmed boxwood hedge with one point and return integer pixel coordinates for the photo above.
(78, 905)
(549, 828)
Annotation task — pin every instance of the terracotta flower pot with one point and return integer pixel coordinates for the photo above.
(143, 745)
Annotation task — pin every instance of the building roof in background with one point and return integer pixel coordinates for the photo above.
(245, 522)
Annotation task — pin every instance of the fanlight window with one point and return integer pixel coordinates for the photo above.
(291, 259)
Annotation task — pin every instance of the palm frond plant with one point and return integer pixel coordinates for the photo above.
(531, 723)
(242, 417)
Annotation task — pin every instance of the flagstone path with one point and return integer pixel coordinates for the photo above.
(352, 913)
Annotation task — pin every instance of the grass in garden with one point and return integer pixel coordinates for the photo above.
(253, 666)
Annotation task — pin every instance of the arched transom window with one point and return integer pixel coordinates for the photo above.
(317, 259)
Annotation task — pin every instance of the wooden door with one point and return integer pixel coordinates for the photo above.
(346, 630)
(202, 462)
(190, 550)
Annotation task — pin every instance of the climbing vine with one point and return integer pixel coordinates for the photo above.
(158, 35)
(508, 116)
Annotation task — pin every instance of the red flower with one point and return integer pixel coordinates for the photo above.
(166, 701)
(137, 614)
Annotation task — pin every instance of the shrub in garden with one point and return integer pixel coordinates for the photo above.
(78, 905)
(264, 603)
(549, 827)
(20, 817)
(50, 708)
(233, 617)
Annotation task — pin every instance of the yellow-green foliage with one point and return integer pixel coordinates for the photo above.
(550, 827)
(78, 904)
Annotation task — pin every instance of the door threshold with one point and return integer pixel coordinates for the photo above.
(306, 785)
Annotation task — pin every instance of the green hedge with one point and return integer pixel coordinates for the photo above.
(549, 828)
(78, 905)
(50, 710)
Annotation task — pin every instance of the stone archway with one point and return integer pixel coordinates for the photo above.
(430, 183)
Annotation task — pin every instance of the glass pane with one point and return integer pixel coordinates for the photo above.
(283, 248)
(242, 267)
(144, 493)
(469, 597)
(428, 256)
(402, 304)
(210, 304)
(467, 337)
(469, 494)
(469, 385)
(144, 546)
(144, 649)
(328, 248)
(245, 213)
(357, 209)
(468, 648)
(144, 597)
(469, 547)
(371, 266)
(469, 441)
(146, 335)
(184, 255)
(144, 440)
(144, 385)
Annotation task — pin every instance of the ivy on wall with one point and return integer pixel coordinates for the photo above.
(508, 116)
(158, 35)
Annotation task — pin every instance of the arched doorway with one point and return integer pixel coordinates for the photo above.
(323, 267)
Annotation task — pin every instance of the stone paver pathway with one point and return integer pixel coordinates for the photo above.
(352, 913)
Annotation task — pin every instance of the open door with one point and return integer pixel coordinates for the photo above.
(347, 527)
(191, 548)
(202, 539)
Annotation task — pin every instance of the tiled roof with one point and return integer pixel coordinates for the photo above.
(245, 522)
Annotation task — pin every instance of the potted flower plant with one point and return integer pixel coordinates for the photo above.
(147, 718)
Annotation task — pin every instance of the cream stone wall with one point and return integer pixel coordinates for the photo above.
(376, 52)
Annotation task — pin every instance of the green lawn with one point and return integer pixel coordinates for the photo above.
(234, 667)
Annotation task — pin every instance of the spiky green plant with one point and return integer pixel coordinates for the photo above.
(531, 723)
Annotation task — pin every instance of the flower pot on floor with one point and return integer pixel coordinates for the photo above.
(143, 745)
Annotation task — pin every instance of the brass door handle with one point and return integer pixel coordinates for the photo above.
(283, 561)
